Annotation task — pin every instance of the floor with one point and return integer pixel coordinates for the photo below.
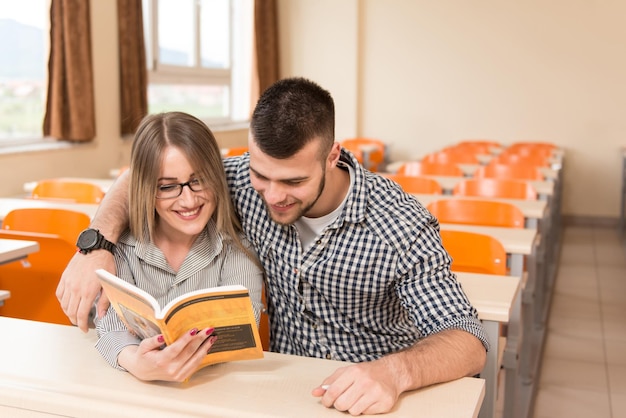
(584, 361)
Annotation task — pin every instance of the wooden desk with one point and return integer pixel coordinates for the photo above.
(4, 295)
(498, 301)
(13, 249)
(544, 189)
(55, 369)
(534, 210)
(548, 173)
(103, 183)
(7, 204)
(518, 242)
(522, 247)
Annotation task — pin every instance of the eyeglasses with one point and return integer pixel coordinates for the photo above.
(171, 191)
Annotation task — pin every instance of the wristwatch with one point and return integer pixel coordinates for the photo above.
(91, 239)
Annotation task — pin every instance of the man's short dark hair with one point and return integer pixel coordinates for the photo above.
(291, 113)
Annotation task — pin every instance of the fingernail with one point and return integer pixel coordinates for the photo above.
(325, 387)
(193, 331)
(212, 340)
(210, 331)
(160, 339)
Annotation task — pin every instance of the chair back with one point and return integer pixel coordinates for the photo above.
(416, 184)
(452, 156)
(479, 146)
(63, 222)
(477, 212)
(423, 168)
(474, 253)
(76, 191)
(532, 159)
(509, 171)
(529, 145)
(491, 187)
(234, 151)
(371, 153)
(33, 283)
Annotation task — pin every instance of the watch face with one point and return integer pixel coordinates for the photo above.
(87, 239)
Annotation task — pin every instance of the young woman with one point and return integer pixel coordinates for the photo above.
(183, 235)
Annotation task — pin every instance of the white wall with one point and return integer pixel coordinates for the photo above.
(432, 73)
(423, 74)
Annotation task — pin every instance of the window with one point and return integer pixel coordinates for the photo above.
(199, 57)
(23, 61)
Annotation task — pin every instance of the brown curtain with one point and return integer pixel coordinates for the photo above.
(133, 72)
(70, 112)
(266, 42)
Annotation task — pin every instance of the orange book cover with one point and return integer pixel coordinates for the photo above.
(226, 308)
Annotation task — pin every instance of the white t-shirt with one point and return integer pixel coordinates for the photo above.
(310, 228)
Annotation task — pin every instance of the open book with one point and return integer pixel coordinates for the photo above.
(226, 308)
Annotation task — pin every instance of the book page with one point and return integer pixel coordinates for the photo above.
(134, 306)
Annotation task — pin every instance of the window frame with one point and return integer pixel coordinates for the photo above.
(159, 73)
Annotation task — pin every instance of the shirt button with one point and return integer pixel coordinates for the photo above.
(328, 357)
(318, 242)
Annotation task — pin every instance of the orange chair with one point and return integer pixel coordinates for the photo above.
(371, 153)
(477, 212)
(509, 171)
(416, 184)
(474, 253)
(536, 159)
(264, 326)
(419, 168)
(76, 191)
(65, 223)
(33, 283)
(233, 152)
(452, 156)
(477, 146)
(529, 145)
(491, 187)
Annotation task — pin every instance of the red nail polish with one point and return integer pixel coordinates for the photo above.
(212, 340)
(210, 331)
(160, 339)
(193, 331)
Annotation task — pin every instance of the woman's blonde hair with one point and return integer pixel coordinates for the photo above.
(196, 142)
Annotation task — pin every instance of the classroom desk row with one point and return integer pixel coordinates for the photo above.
(72, 379)
(549, 173)
(544, 188)
(524, 248)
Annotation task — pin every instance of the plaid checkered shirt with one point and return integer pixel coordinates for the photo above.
(375, 282)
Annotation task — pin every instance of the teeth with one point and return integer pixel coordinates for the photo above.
(190, 213)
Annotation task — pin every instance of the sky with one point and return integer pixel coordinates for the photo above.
(29, 12)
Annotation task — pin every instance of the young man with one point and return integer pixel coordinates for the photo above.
(355, 269)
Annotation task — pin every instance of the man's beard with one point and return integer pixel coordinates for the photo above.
(302, 212)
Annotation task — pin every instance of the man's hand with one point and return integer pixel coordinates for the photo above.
(79, 286)
(374, 387)
(364, 388)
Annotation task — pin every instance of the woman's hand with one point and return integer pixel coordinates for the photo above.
(173, 363)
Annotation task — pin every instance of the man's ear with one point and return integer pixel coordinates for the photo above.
(333, 155)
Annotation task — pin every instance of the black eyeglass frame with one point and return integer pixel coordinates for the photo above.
(198, 184)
